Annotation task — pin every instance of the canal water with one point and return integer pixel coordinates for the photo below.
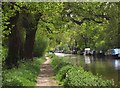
(107, 67)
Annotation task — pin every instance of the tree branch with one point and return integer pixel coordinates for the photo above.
(80, 22)
(48, 29)
(89, 19)
(103, 16)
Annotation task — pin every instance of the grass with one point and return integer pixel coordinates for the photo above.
(25, 75)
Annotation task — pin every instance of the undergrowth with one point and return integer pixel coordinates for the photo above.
(25, 75)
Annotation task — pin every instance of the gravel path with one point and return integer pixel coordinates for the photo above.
(45, 78)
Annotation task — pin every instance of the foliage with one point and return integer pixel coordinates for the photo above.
(93, 25)
(41, 44)
(24, 75)
(4, 53)
(20, 23)
(58, 63)
(61, 76)
(50, 55)
(74, 77)
(64, 47)
(77, 24)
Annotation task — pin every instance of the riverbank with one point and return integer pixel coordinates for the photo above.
(74, 76)
(97, 65)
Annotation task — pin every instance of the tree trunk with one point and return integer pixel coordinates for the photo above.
(21, 51)
(31, 28)
(13, 51)
(14, 42)
(29, 44)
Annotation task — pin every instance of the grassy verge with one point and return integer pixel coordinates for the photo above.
(25, 75)
(76, 77)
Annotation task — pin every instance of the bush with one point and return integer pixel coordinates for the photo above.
(25, 75)
(65, 48)
(41, 44)
(63, 72)
(50, 55)
(78, 77)
(3, 53)
(74, 77)
(58, 63)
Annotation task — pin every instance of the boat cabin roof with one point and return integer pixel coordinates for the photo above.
(87, 48)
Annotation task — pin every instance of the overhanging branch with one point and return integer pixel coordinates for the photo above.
(89, 19)
(80, 22)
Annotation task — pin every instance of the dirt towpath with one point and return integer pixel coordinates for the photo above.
(45, 78)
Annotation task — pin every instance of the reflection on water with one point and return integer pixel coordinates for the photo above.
(87, 60)
(117, 64)
(108, 67)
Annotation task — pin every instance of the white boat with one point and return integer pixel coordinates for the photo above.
(87, 51)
